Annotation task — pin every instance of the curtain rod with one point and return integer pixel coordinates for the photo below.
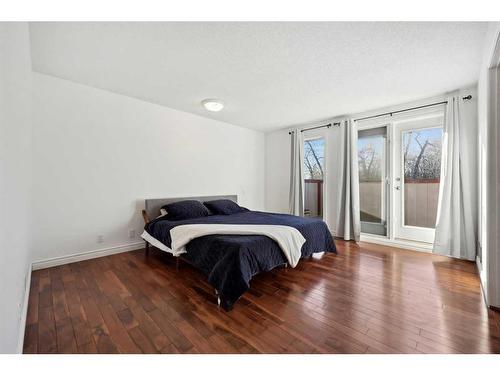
(318, 127)
(468, 97)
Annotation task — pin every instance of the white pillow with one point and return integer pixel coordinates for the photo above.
(163, 212)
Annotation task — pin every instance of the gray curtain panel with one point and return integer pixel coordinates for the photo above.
(457, 202)
(297, 174)
(347, 222)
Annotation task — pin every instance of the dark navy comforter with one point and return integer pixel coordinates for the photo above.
(230, 261)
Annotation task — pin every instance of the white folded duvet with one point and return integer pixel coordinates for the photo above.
(289, 239)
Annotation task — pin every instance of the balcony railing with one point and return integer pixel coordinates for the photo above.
(313, 205)
(420, 201)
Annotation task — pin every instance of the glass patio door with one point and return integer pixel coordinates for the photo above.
(372, 161)
(417, 168)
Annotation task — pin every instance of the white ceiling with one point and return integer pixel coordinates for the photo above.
(269, 75)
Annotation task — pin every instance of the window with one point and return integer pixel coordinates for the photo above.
(422, 170)
(314, 173)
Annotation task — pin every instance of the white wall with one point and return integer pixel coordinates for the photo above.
(484, 176)
(97, 155)
(15, 179)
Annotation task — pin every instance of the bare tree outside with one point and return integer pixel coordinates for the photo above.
(314, 159)
(422, 173)
(422, 154)
(369, 160)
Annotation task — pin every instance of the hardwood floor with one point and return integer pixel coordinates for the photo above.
(366, 299)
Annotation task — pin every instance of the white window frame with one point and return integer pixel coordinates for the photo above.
(317, 134)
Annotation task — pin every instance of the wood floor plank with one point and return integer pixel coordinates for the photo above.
(102, 339)
(66, 342)
(81, 328)
(47, 339)
(32, 315)
(88, 348)
(127, 318)
(170, 331)
(147, 325)
(117, 331)
(31, 339)
(142, 341)
(60, 305)
(366, 299)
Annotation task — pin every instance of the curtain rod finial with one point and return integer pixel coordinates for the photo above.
(468, 97)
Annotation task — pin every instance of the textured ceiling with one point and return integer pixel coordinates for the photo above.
(269, 75)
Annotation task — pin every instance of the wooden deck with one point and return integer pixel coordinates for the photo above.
(366, 299)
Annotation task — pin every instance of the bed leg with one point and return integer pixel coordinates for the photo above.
(218, 297)
(286, 265)
(177, 261)
(147, 248)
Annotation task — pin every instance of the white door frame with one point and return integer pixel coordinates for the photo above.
(434, 119)
(492, 254)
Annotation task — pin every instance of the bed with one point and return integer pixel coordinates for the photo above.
(232, 248)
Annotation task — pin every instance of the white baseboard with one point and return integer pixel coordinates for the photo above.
(41, 264)
(24, 311)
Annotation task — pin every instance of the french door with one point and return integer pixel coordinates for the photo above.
(399, 175)
(417, 168)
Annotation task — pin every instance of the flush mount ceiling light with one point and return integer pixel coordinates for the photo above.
(213, 105)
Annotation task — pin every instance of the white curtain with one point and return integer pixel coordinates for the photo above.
(457, 205)
(297, 174)
(347, 222)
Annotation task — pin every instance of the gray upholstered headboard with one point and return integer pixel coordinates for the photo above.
(153, 206)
